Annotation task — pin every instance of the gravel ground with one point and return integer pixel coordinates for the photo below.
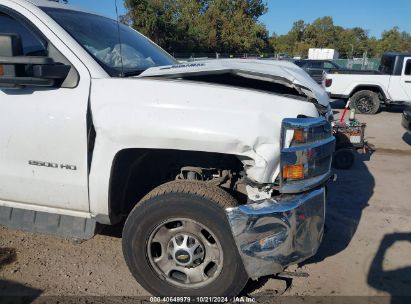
(366, 250)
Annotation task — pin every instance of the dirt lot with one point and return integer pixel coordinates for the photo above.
(366, 250)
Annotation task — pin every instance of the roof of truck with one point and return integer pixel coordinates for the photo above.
(49, 3)
(53, 4)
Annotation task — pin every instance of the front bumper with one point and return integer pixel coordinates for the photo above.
(406, 120)
(273, 234)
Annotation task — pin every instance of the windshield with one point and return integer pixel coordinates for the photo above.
(130, 55)
(299, 63)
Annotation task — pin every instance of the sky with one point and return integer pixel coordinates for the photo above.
(372, 15)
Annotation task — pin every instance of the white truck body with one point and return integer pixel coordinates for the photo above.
(59, 144)
(57, 122)
(393, 82)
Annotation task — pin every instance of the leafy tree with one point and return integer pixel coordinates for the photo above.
(321, 33)
(200, 25)
(233, 26)
(394, 40)
(354, 42)
(281, 44)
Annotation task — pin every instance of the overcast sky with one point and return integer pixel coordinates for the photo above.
(373, 15)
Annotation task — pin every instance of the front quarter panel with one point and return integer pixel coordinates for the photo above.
(181, 115)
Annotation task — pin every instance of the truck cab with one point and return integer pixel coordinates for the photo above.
(368, 90)
(218, 167)
(398, 66)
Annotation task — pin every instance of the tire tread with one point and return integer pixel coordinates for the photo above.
(198, 188)
(371, 94)
(207, 192)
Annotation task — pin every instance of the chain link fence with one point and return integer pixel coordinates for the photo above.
(359, 64)
(207, 56)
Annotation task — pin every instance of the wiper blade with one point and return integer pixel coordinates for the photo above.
(133, 73)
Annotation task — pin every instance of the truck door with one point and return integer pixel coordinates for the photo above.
(406, 77)
(43, 130)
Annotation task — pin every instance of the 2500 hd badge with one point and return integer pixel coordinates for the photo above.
(52, 165)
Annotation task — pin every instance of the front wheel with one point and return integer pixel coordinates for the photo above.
(177, 242)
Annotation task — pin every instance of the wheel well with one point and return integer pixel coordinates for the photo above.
(135, 172)
(372, 88)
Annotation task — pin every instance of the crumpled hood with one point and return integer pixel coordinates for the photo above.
(274, 71)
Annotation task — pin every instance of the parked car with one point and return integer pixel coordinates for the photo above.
(219, 167)
(368, 90)
(316, 68)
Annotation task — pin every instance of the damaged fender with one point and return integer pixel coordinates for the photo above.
(182, 115)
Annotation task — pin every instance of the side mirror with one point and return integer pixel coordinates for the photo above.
(17, 71)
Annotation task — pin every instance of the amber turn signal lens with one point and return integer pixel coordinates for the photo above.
(299, 135)
(1, 70)
(293, 172)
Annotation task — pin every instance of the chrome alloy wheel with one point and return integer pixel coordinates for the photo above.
(185, 253)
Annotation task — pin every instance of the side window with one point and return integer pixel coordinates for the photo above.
(408, 67)
(301, 64)
(33, 45)
(387, 64)
(329, 65)
(316, 65)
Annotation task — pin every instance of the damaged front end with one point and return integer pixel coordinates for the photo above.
(271, 76)
(286, 229)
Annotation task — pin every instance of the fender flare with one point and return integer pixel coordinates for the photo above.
(361, 87)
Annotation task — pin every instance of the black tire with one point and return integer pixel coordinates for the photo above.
(365, 102)
(192, 200)
(343, 158)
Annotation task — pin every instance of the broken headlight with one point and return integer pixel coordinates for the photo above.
(307, 146)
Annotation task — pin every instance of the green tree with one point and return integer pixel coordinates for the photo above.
(200, 25)
(281, 44)
(228, 26)
(297, 31)
(235, 26)
(292, 42)
(321, 33)
(352, 42)
(395, 41)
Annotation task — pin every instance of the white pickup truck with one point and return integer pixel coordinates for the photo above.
(369, 89)
(219, 167)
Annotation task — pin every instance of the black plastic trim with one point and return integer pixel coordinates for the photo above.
(22, 81)
(366, 87)
(25, 60)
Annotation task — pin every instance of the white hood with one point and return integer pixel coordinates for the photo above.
(280, 72)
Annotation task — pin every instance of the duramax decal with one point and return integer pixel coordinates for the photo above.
(179, 66)
(52, 165)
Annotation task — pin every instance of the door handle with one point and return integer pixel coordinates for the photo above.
(408, 81)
